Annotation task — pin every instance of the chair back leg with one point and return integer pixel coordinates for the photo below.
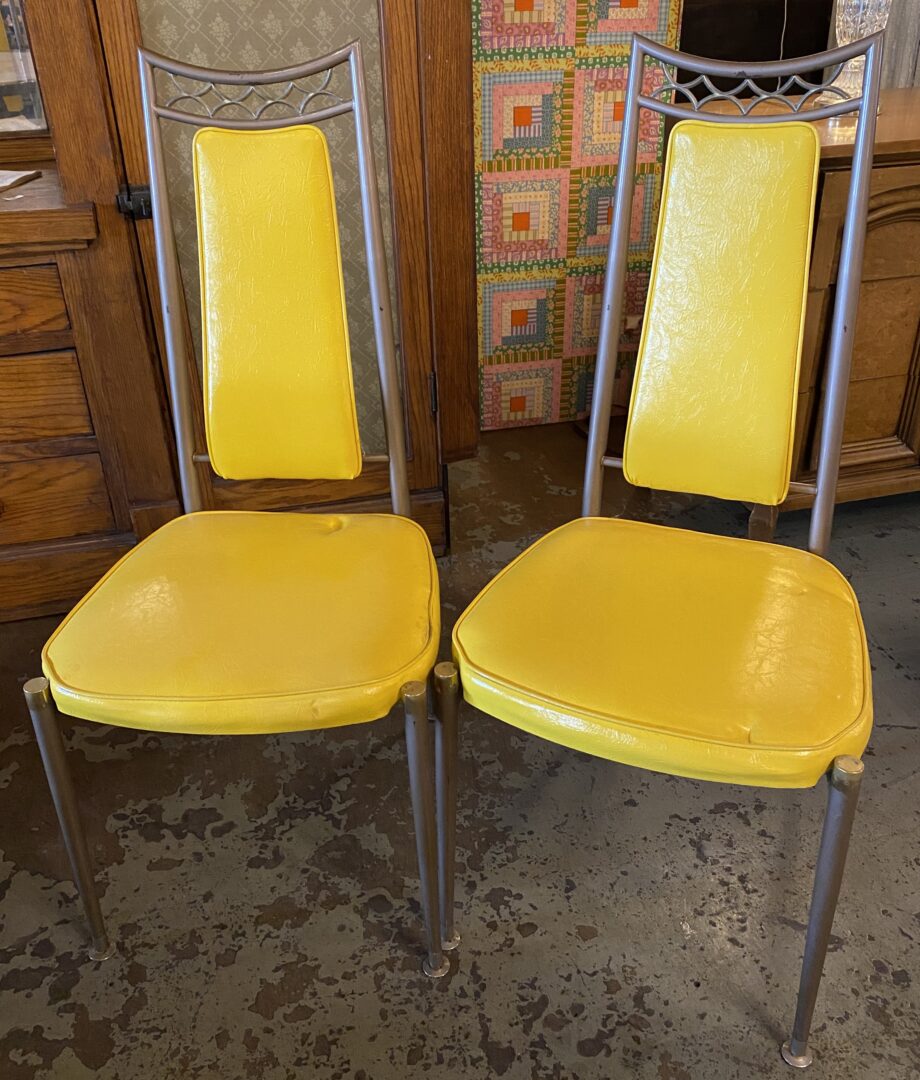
(446, 697)
(45, 720)
(844, 780)
(420, 753)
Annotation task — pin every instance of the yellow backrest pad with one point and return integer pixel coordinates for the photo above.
(713, 400)
(279, 398)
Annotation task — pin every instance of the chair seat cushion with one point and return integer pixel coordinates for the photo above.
(229, 623)
(696, 655)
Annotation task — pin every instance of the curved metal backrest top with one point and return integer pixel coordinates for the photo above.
(790, 98)
(259, 101)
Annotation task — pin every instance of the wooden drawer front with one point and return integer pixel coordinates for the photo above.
(53, 497)
(51, 578)
(41, 397)
(31, 301)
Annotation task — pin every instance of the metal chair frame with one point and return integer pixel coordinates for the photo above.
(794, 98)
(199, 100)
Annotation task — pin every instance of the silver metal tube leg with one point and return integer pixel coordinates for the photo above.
(447, 693)
(421, 784)
(843, 793)
(51, 745)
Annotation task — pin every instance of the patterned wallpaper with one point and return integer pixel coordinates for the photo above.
(549, 82)
(253, 34)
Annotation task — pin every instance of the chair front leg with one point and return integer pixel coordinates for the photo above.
(48, 733)
(421, 784)
(447, 697)
(843, 793)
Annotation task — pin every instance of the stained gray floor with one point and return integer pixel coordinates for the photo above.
(616, 923)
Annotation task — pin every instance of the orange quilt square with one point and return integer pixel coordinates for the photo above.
(520, 221)
(518, 316)
(517, 404)
(522, 116)
(526, 5)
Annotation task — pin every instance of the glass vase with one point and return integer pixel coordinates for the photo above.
(857, 19)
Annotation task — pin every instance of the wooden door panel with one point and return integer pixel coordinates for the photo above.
(31, 301)
(44, 579)
(53, 497)
(886, 328)
(42, 397)
(874, 409)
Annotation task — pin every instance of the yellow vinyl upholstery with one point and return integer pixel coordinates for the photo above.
(235, 622)
(279, 399)
(696, 655)
(713, 400)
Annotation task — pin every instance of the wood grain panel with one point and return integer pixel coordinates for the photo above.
(446, 57)
(400, 58)
(44, 579)
(147, 519)
(31, 301)
(45, 448)
(282, 494)
(886, 328)
(893, 231)
(41, 397)
(893, 250)
(102, 282)
(53, 497)
(873, 408)
(40, 215)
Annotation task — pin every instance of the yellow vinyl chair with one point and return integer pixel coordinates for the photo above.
(248, 623)
(717, 658)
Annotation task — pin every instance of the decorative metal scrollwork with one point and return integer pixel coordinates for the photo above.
(294, 99)
(794, 94)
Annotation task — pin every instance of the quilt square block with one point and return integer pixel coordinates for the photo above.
(598, 102)
(523, 218)
(591, 213)
(523, 118)
(508, 27)
(613, 22)
(519, 318)
(514, 395)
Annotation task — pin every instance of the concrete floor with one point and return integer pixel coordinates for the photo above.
(616, 923)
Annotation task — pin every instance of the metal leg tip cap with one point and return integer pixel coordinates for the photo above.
(436, 972)
(103, 953)
(797, 1061)
(451, 943)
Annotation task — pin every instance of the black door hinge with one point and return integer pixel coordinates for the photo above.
(433, 392)
(133, 200)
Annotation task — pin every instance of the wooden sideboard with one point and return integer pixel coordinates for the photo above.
(881, 440)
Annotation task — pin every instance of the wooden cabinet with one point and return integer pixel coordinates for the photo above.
(78, 479)
(881, 440)
(87, 458)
